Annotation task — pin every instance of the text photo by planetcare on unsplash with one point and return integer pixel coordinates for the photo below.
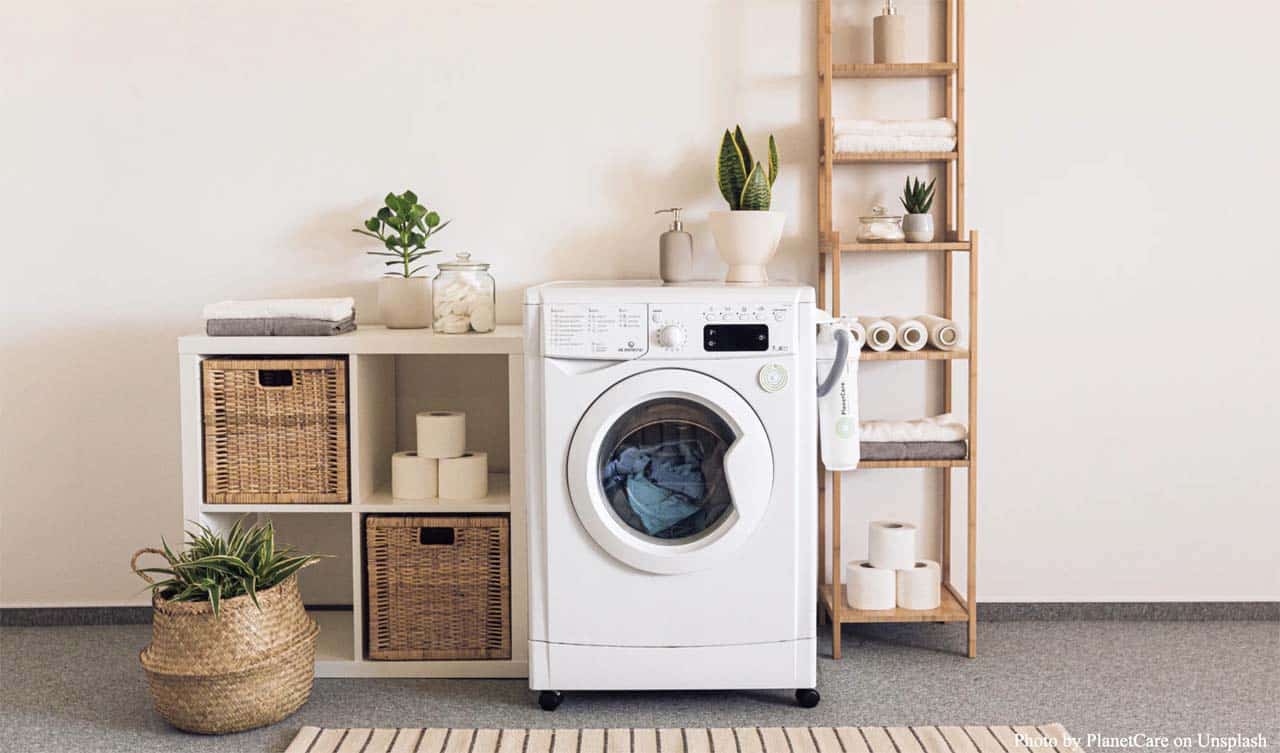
(1144, 741)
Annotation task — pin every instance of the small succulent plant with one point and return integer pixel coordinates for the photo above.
(403, 227)
(917, 197)
(745, 183)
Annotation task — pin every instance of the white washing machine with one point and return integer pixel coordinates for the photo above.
(671, 446)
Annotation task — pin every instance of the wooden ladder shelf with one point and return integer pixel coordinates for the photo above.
(953, 240)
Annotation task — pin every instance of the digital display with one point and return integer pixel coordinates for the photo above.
(735, 337)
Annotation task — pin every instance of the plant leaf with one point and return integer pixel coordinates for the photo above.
(773, 161)
(743, 149)
(755, 193)
(730, 174)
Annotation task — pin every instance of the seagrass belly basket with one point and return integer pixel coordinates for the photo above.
(245, 668)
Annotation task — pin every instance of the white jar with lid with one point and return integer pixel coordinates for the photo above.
(463, 297)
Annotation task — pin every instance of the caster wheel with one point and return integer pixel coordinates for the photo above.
(550, 700)
(807, 697)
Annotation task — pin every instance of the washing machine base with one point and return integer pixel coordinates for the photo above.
(565, 666)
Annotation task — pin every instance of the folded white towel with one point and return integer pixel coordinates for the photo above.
(912, 335)
(945, 428)
(894, 143)
(940, 127)
(944, 334)
(880, 334)
(324, 309)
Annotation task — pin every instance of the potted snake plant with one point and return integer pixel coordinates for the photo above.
(746, 235)
(403, 227)
(917, 198)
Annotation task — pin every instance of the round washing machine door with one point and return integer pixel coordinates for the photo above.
(670, 471)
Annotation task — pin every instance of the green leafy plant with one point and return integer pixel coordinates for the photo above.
(403, 227)
(917, 197)
(212, 567)
(745, 183)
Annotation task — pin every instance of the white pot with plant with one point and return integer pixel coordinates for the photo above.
(232, 647)
(747, 235)
(403, 227)
(917, 198)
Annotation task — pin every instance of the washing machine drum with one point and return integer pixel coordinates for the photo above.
(670, 471)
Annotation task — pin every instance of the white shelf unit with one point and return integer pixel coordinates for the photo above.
(391, 375)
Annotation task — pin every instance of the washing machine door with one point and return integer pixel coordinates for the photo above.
(670, 471)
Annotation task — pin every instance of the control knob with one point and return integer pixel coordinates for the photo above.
(671, 336)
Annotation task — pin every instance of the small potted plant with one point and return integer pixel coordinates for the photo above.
(747, 235)
(403, 227)
(231, 646)
(917, 198)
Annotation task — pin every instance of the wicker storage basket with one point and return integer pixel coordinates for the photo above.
(439, 587)
(275, 430)
(246, 668)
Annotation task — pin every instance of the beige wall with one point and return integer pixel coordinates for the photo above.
(159, 155)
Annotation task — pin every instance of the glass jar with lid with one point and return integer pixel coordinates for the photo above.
(463, 297)
(879, 227)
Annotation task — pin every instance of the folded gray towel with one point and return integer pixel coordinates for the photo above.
(956, 450)
(278, 326)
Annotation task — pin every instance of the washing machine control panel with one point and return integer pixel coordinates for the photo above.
(623, 331)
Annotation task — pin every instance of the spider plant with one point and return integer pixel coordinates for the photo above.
(212, 567)
(403, 227)
(917, 197)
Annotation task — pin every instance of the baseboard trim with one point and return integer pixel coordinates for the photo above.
(1129, 611)
(69, 616)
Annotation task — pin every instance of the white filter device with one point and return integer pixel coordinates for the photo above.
(838, 406)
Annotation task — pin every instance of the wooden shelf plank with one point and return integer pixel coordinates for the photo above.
(848, 158)
(882, 247)
(893, 70)
(926, 354)
(961, 463)
(950, 610)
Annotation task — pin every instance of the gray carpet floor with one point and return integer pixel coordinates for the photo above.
(80, 688)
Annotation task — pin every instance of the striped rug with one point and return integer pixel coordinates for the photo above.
(1043, 738)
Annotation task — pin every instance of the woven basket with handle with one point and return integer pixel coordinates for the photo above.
(245, 668)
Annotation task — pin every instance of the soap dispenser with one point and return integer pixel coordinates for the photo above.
(675, 250)
(889, 35)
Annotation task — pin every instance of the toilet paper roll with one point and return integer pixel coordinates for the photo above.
(891, 545)
(920, 586)
(881, 335)
(868, 587)
(857, 333)
(465, 477)
(912, 335)
(442, 433)
(943, 333)
(413, 476)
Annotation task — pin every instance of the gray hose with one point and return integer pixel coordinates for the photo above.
(837, 367)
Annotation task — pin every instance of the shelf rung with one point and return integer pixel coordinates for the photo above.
(904, 246)
(959, 463)
(893, 70)
(852, 158)
(949, 610)
(925, 354)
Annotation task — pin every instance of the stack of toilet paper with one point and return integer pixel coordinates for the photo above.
(441, 466)
(909, 333)
(891, 576)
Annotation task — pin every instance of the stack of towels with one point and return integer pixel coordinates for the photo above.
(943, 437)
(302, 317)
(932, 135)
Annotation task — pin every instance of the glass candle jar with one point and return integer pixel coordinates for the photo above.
(462, 296)
(879, 227)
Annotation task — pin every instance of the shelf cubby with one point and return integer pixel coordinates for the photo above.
(392, 374)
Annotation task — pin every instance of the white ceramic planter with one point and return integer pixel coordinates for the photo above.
(747, 240)
(918, 228)
(405, 303)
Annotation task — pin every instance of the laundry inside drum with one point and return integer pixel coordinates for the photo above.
(662, 469)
